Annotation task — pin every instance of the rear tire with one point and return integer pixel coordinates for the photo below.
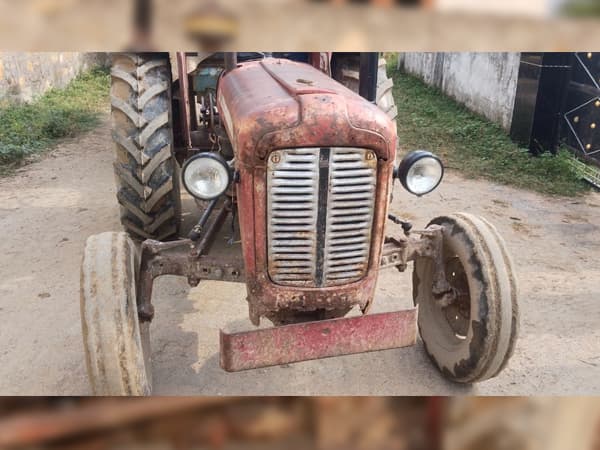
(472, 339)
(145, 168)
(385, 96)
(116, 344)
(347, 72)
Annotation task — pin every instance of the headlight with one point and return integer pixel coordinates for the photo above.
(420, 172)
(206, 176)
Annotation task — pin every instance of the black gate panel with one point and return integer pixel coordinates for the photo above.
(540, 100)
(558, 103)
(580, 128)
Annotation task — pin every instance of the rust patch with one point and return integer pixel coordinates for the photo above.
(315, 340)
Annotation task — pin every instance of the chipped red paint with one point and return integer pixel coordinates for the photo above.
(276, 104)
(315, 340)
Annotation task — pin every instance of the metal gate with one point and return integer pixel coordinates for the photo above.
(558, 103)
(580, 127)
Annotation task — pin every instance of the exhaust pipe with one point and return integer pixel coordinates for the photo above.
(230, 61)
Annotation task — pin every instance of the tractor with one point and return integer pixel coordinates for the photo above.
(292, 157)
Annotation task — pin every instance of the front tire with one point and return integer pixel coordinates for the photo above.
(472, 338)
(116, 344)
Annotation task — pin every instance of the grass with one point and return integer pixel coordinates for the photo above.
(582, 8)
(30, 128)
(473, 145)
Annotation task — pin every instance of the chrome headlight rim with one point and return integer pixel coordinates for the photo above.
(213, 156)
(409, 161)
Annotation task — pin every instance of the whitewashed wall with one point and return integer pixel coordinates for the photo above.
(485, 83)
(531, 8)
(26, 75)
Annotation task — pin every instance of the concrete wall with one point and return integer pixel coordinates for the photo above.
(24, 76)
(485, 83)
(533, 8)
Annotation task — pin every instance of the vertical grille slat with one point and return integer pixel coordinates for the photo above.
(350, 215)
(320, 214)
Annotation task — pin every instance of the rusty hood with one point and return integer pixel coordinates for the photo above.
(277, 103)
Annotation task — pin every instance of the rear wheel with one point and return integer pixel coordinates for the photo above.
(472, 337)
(385, 96)
(347, 72)
(145, 168)
(116, 344)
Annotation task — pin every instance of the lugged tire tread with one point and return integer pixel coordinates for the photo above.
(145, 169)
(385, 99)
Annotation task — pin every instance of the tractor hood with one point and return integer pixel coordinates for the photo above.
(277, 103)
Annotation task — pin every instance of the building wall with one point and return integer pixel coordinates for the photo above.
(532, 8)
(486, 83)
(24, 76)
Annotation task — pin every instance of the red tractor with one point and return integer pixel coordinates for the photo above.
(294, 156)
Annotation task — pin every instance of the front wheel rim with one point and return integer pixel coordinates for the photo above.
(458, 312)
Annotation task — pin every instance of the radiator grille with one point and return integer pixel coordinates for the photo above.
(293, 184)
(320, 213)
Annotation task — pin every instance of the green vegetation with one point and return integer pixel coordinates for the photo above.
(33, 127)
(582, 8)
(473, 145)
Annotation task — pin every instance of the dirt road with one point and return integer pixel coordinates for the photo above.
(48, 209)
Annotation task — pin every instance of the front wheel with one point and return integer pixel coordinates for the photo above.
(116, 344)
(472, 337)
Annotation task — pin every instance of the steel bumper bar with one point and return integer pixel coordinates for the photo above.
(315, 340)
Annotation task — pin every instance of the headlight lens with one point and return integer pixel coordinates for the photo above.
(420, 172)
(206, 176)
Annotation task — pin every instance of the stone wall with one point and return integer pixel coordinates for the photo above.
(485, 83)
(25, 76)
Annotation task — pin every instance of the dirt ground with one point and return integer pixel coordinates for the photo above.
(50, 207)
